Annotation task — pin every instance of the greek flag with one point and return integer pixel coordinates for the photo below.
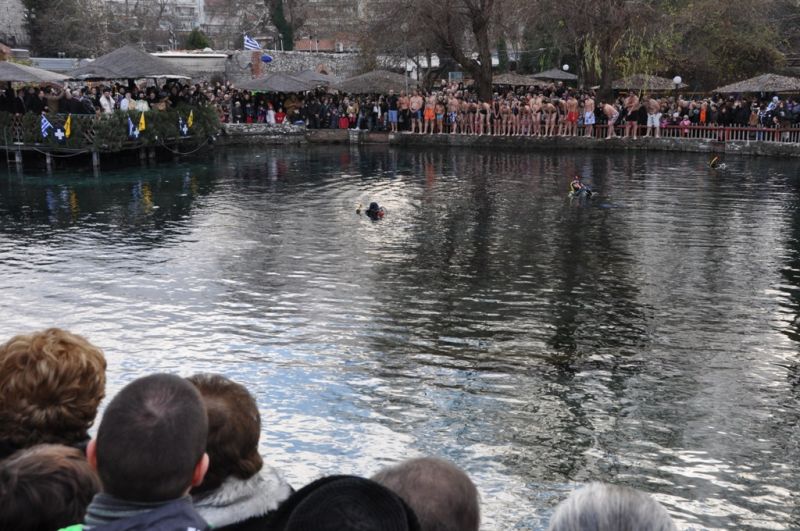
(250, 43)
(133, 132)
(45, 126)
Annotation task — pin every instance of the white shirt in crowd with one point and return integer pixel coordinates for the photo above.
(125, 103)
(142, 105)
(270, 116)
(107, 104)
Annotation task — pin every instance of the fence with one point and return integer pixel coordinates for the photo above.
(711, 132)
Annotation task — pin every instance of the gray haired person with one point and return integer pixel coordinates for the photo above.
(441, 494)
(602, 507)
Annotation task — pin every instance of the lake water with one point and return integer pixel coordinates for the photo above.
(648, 337)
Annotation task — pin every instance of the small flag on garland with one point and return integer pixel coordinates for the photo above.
(190, 120)
(68, 126)
(60, 135)
(142, 125)
(46, 126)
(133, 131)
(182, 127)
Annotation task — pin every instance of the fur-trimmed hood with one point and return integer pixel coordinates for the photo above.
(237, 500)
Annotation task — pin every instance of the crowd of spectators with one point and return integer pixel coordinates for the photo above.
(549, 110)
(176, 453)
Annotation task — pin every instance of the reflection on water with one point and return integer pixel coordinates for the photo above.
(646, 337)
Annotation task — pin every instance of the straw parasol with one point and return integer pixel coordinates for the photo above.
(277, 82)
(763, 83)
(128, 62)
(316, 77)
(13, 72)
(645, 82)
(377, 81)
(554, 74)
(515, 80)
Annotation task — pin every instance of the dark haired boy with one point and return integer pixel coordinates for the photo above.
(149, 452)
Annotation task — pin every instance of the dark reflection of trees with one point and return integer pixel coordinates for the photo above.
(140, 204)
(486, 240)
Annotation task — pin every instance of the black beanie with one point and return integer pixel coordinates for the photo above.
(345, 503)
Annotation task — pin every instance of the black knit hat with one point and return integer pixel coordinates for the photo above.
(344, 503)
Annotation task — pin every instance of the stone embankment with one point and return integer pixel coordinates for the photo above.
(253, 134)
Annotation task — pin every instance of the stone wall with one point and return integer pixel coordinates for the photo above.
(684, 145)
(294, 134)
(12, 23)
(241, 66)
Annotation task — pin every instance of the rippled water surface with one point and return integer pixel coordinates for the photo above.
(648, 337)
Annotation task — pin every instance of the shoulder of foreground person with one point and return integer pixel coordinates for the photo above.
(244, 504)
(178, 515)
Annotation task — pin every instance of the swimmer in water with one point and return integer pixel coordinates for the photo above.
(715, 164)
(375, 212)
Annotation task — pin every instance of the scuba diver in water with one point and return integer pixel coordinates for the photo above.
(577, 188)
(715, 164)
(374, 212)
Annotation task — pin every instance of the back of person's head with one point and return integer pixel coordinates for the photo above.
(52, 384)
(234, 427)
(45, 487)
(344, 503)
(602, 507)
(441, 494)
(151, 441)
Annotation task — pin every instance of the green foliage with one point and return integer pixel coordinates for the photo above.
(197, 40)
(502, 56)
(282, 24)
(109, 133)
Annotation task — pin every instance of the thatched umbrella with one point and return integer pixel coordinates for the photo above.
(515, 80)
(377, 81)
(554, 74)
(277, 82)
(316, 77)
(13, 72)
(128, 62)
(645, 82)
(763, 83)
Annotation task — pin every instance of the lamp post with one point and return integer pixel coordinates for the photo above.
(404, 29)
(677, 80)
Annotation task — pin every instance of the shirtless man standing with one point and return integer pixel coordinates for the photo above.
(572, 116)
(536, 115)
(612, 114)
(653, 116)
(550, 113)
(429, 115)
(588, 115)
(440, 116)
(416, 112)
(405, 115)
(452, 112)
(632, 121)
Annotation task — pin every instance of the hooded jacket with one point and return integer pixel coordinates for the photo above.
(243, 504)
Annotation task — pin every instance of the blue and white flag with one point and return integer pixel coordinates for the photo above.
(45, 126)
(133, 131)
(250, 43)
(182, 127)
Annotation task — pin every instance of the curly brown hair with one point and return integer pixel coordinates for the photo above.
(52, 382)
(234, 426)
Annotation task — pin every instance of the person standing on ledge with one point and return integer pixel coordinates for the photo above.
(393, 110)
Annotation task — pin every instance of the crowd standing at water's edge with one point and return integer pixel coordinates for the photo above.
(541, 111)
(176, 454)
